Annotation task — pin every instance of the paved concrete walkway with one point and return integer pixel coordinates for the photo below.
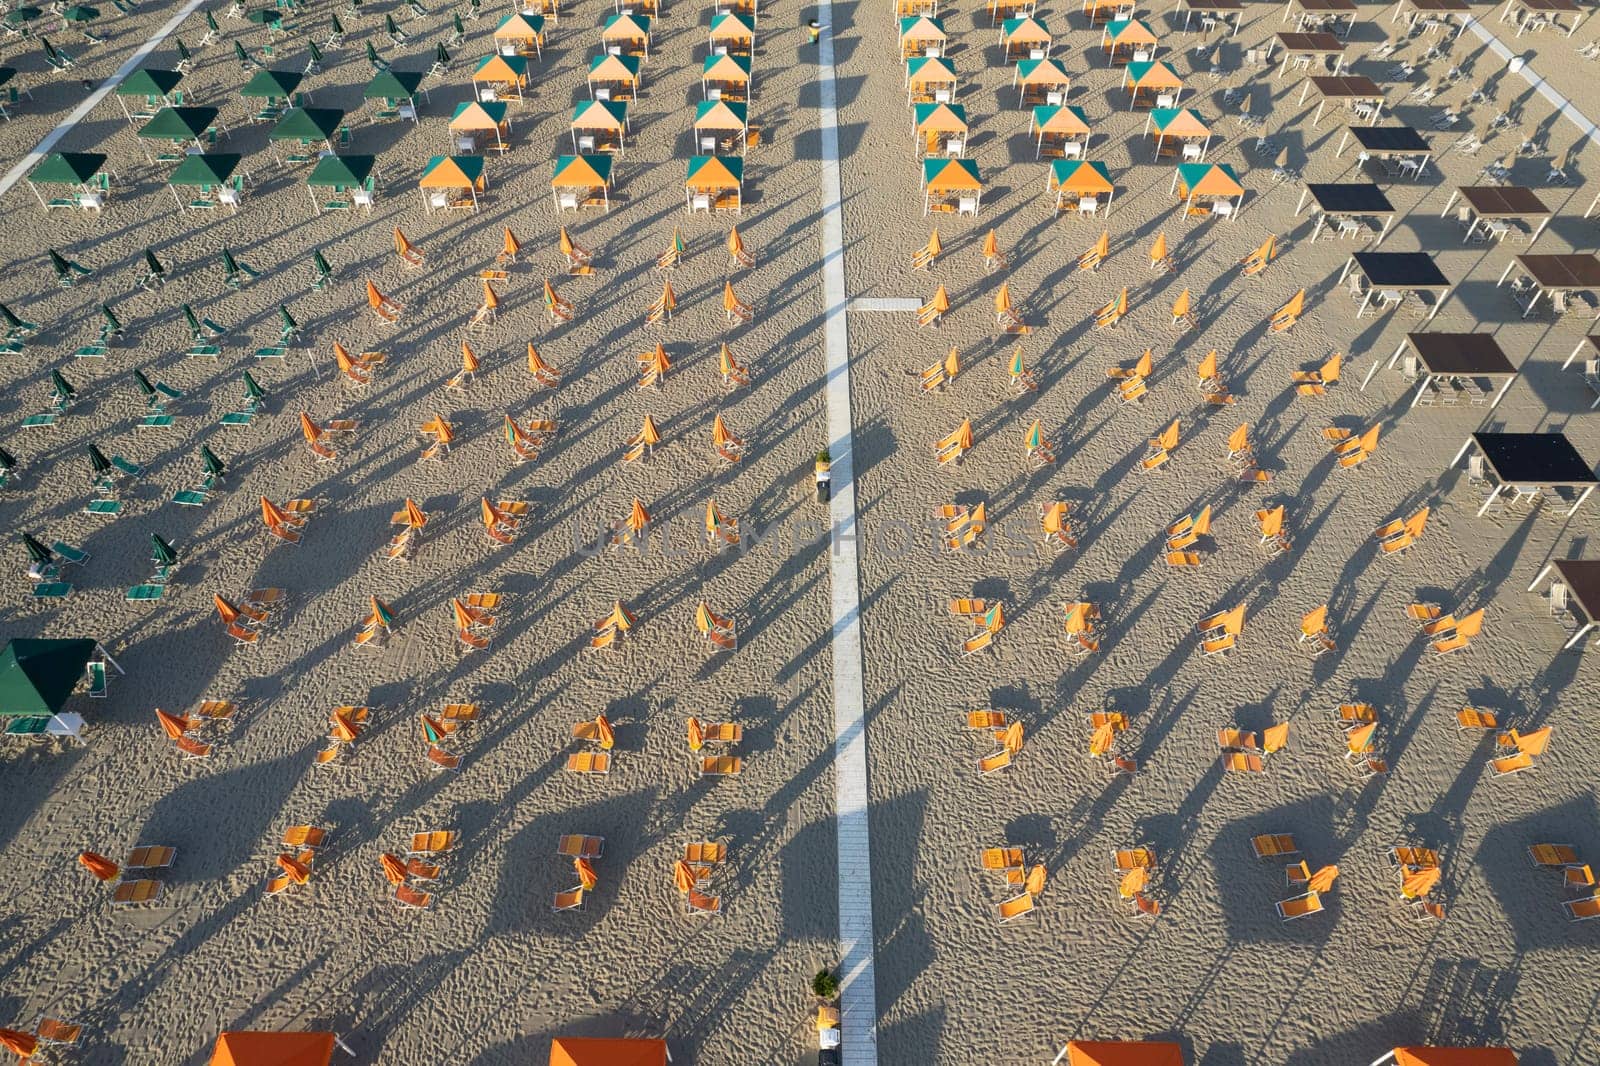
(859, 1010)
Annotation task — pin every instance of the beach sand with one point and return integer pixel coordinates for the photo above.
(489, 974)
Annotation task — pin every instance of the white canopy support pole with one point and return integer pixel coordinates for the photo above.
(1505, 272)
(1305, 87)
(1388, 220)
(1579, 503)
(1348, 263)
(1454, 196)
(1443, 296)
(1547, 568)
(1304, 193)
(1577, 636)
(1366, 300)
(1344, 138)
(1494, 494)
(1575, 352)
(1502, 393)
(1427, 379)
(1545, 222)
(1457, 460)
(101, 648)
(1318, 116)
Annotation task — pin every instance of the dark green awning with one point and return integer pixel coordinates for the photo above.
(37, 676)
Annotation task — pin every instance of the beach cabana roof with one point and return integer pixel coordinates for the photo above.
(1208, 179)
(926, 69)
(178, 123)
(37, 676)
(714, 172)
(720, 115)
(1454, 1056)
(213, 168)
(608, 115)
(1130, 32)
(590, 1051)
(1179, 122)
(621, 27)
(731, 26)
(519, 27)
(950, 175)
(921, 28)
(393, 85)
(1156, 75)
(940, 118)
(452, 172)
(581, 171)
(1028, 30)
(1042, 72)
(474, 115)
(1123, 1053)
(307, 124)
(273, 1049)
(342, 171)
(614, 68)
(149, 82)
(726, 68)
(67, 168)
(1080, 177)
(501, 68)
(1063, 121)
(270, 84)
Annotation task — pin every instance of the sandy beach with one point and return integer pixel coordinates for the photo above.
(489, 973)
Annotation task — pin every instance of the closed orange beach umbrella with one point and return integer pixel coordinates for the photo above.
(510, 246)
(719, 431)
(1275, 738)
(344, 728)
(1158, 250)
(1239, 439)
(682, 876)
(311, 430)
(491, 514)
(433, 730)
(464, 616)
(382, 614)
(341, 356)
(1419, 883)
(1146, 364)
(726, 364)
(401, 244)
(1035, 882)
(620, 617)
(952, 363)
(24, 1044)
(648, 433)
(1323, 879)
(1369, 439)
(638, 517)
(586, 875)
(697, 736)
(1358, 739)
(1133, 882)
(602, 727)
(991, 245)
(964, 433)
(271, 514)
(374, 297)
(298, 871)
(536, 365)
(1180, 306)
(1102, 740)
(1002, 298)
(171, 724)
(1417, 523)
(469, 358)
(935, 246)
(735, 243)
(1315, 621)
(941, 299)
(227, 610)
(1202, 524)
(393, 868)
(730, 302)
(101, 867)
(1296, 304)
(415, 518)
(1011, 739)
(669, 299)
(995, 619)
(1208, 369)
(1122, 301)
(567, 247)
(490, 300)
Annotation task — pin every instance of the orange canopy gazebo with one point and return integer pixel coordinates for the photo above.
(274, 1049)
(520, 33)
(593, 1051)
(499, 76)
(1128, 41)
(582, 181)
(1208, 188)
(598, 126)
(1186, 131)
(1055, 127)
(714, 182)
(731, 34)
(1078, 185)
(626, 34)
(721, 124)
(951, 185)
(453, 181)
(1120, 1053)
(725, 77)
(614, 77)
(939, 129)
(1102, 10)
(921, 35)
(1041, 81)
(1449, 1056)
(473, 119)
(1027, 36)
(1155, 82)
(930, 80)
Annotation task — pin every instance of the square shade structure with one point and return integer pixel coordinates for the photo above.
(1491, 203)
(1386, 140)
(1562, 274)
(1446, 356)
(1357, 199)
(1582, 579)
(1227, 11)
(1355, 90)
(1308, 46)
(1319, 12)
(1529, 461)
(1402, 271)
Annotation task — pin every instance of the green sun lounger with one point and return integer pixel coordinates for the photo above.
(111, 508)
(237, 418)
(90, 351)
(97, 678)
(35, 421)
(146, 592)
(204, 351)
(190, 498)
(69, 553)
(275, 351)
(156, 422)
(131, 469)
(52, 590)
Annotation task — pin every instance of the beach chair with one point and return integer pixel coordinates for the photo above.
(56, 1032)
(924, 256)
(1108, 316)
(413, 898)
(434, 842)
(1300, 906)
(305, 836)
(1273, 845)
(128, 893)
(1286, 316)
(1581, 910)
(721, 766)
(1142, 857)
(988, 764)
(1015, 907)
(700, 903)
(1475, 719)
(1144, 906)
(1350, 716)
(589, 762)
(1371, 767)
(1511, 764)
(150, 857)
(1316, 382)
(1242, 762)
(1580, 876)
(1005, 861)
(1424, 910)
(1414, 858)
(1552, 855)
(576, 846)
(386, 310)
(1255, 264)
(191, 748)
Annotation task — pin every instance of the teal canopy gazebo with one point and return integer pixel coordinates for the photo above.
(398, 90)
(453, 181)
(180, 126)
(82, 171)
(355, 175)
(1208, 189)
(276, 87)
(38, 676)
(156, 86)
(305, 126)
(714, 183)
(212, 174)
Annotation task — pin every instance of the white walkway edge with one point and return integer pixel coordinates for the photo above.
(78, 114)
(859, 1007)
(1542, 87)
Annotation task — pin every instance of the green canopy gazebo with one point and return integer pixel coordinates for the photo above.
(398, 90)
(276, 87)
(305, 126)
(82, 171)
(355, 175)
(180, 126)
(156, 86)
(212, 174)
(38, 676)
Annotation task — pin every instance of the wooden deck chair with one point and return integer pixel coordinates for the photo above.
(1300, 906)
(721, 766)
(700, 903)
(672, 258)
(434, 842)
(1256, 262)
(1350, 716)
(1474, 719)
(409, 254)
(1511, 764)
(935, 377)
(733, 308)
(1142, 857)
(568, 900)
(1188, 530)
(970, 609)
(387, 310)
(924, 256)
(1316, 382)
(930, 314)
(439, 759)
(999, 760)
(661, 310)
(1160, 448)
(1552, 855)
(1424, 613)
(1132, 392)
(1414, 858)
(1144, 906)
(1015, 907)
(1242, 762)
(1140, 369)
(128, 893)
(974, 645)
(987, 719)
(1091, 259)
(1273, 845)
(1236, 740)
(415, 898)
(589, 762)
(1182, 313)
(1160, 259)
(1286, 316)
(1005, 861)
(737, 255)
(559, 309)
(1108, 316)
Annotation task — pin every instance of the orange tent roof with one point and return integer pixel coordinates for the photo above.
(1454, 1056)
(612, 68)
(447, 173)
(1025, 31)
(731, 26)
(712, 173)
(930, 70)
(1069, 120)
(516, 27)
(950, 175)
(921, 28)
(1129, 31)
(719, 116)
(579, 173)
(1080, 178)
(725, 68)
(1042, 72)
(1123, 1053)
(496, 69)
(626, 28)
(1213, 179)
(273, 1049)
(474, 117)
(941, 118)
(1179, 122)
(1158, 75)
(589, 1051)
